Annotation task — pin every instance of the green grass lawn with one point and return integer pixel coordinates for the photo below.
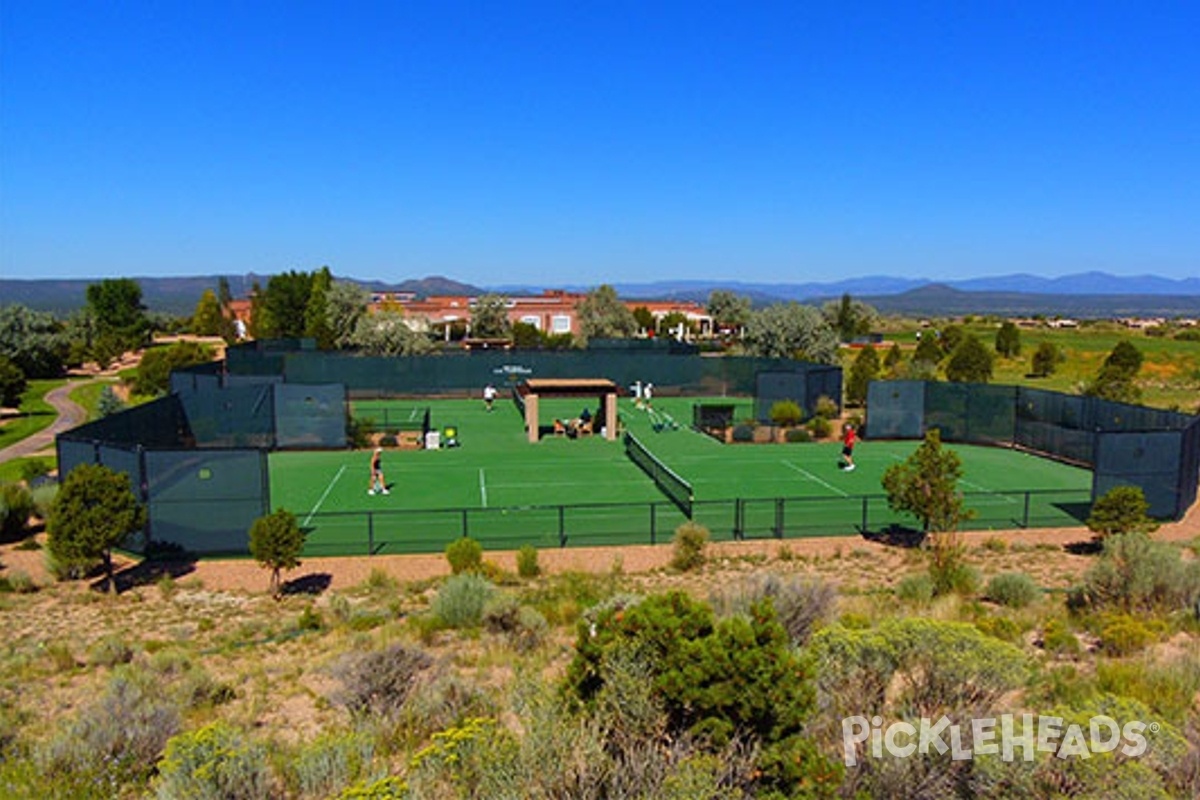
(1169, 377)
(505, 491)
(36, 413)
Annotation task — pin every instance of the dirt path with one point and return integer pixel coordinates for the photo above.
(70, 414)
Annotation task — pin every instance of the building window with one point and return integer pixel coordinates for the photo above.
(533, 320)
(560, 323)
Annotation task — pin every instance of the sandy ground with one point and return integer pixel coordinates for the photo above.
(346, 571)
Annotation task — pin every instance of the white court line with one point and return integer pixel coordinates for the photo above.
(326, 494)
(810, 476)
(482, 488)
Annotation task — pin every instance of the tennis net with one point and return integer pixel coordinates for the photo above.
(673, 486)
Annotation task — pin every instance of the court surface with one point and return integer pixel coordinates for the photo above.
(505, 491)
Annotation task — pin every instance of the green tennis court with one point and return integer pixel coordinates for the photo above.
(504, 491)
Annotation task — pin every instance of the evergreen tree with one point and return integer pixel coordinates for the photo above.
(207, 318)
(1045, 360)
(94, 512)
(970, 362)
(1115, 380)
(926, 486)
(276, 542)
(864, 370)
(489, 317)
(1008, 340)
(602, 315)
(316, 310)
(12, 383)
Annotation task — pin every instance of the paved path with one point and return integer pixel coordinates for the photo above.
(70, 414)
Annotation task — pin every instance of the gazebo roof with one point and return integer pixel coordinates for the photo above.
(567, 387)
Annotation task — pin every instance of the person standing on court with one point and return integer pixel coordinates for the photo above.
(489, 396)
(849, 439)
(378, 484)
(647, 393)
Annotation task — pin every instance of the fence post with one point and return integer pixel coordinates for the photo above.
(562, 527)
(1025, 524)
(778, 517)
(653, 523)
(466, 529)
(370, 533)
(865, 505)
(739, 512)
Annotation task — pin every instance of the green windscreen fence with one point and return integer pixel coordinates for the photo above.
(672, 369)
(895, 410)
(206, 500)
(803, 385)
(309, 416)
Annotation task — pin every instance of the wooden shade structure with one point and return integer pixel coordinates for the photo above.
(533, 388)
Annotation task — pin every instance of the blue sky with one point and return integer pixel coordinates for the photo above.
(584, 142)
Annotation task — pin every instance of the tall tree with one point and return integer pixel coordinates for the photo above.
(602, 315)
(1045, 359)
(1008, 340)
(971, 361)
(12, 383)
(224, 295)
(894, 360)
(34, 341)
(316, 310)
(94, 512)
(489, 317)
(120, 315)
(928, 351)
(260, 321)
(206, 320)
(864, 370)
(385, 333)
(849, 317)
(645, 319)
(284, 304)
(1115, 380)
(345, 305)
(790, 330)
(729, 311)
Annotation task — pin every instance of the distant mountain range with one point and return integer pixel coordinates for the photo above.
(1087, 295)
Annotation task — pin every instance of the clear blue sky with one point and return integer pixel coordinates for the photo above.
(585, 142)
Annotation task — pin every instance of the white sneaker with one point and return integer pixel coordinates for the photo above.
(850, 468)
(370, 491)
(384, 491)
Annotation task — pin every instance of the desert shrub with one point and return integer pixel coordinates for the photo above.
(820, 427)
(388, 440)
(718, 680)
(688, 546)
(523, 627)
(310, 620)
(460, 601)
(330, 763)
(16, 505)
(1002, 628)
(786, 413)
(827, 407)
(1123, 635)
(1166, 686)
(800, 603)
(1189, 335)
(17, 582)
(797, 435)
(110, 651)
(1059, 640)
(1122, 509)
(378, 683)
(1135, 573)
(389, 788)
(994, 544)
(465, 555)
(114, 741)
(527, 562)
(916, 588)
(215, 762)
(743, 433)
(1012, 589)
(953, 575)
(359, 431)
(34, 468)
